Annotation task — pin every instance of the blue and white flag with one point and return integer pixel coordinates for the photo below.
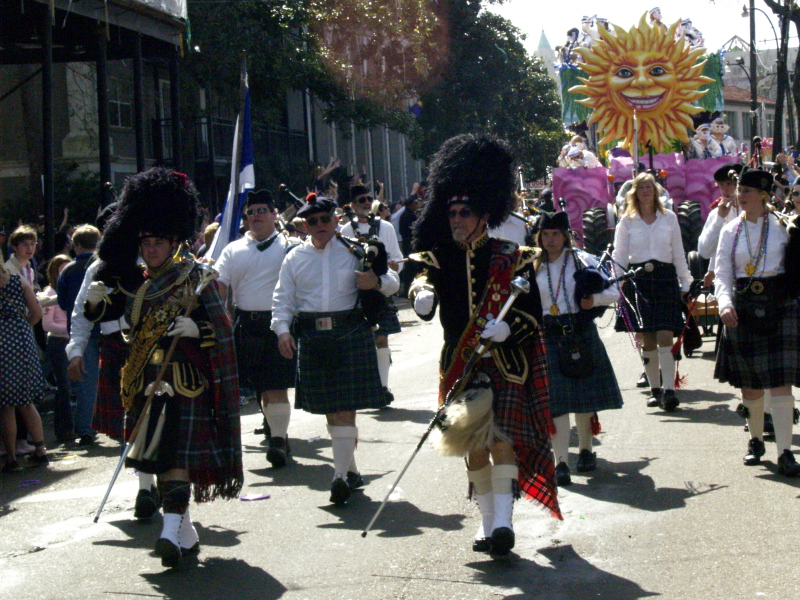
(232, 212)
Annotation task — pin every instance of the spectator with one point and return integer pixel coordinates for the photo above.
(54, 322)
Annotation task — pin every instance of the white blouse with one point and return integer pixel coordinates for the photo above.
(768, 266)
(709, 237)
(607, 296)
(637, 242)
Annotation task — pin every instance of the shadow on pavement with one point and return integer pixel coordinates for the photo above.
(143, 534)
(624, 483)
(30, 480)
(216, 579)
(396, 414)
(569, 576)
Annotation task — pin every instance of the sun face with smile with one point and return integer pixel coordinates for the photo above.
(647, 71)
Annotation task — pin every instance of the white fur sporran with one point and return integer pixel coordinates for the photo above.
(468, 422)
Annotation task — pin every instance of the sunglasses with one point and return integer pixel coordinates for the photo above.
(794, 193)
(256, 211)
(464, 213)
(362, 200)
(324, 219)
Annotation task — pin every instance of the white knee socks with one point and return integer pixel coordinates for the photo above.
(343, 441)
(651, 367)
(583, 423)
(147, 481)
(783, 420)
(503, 477)
(481, 480)
(384, 362)
(560, 439)
(278, 416)
(667, 360)
(755, 416)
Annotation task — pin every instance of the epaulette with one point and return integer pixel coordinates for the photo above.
(505, 247)
(527, 255)
(425, 257)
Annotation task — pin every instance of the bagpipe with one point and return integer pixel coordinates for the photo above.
(372, 255)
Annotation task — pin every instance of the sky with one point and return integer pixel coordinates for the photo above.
(718, 20)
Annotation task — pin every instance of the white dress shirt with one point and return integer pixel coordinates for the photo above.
(386, 234)
(252, 274)
(709, 237)
(769, 265)
(637, 242)
(313, 280)
(512, 229)
(567, 288)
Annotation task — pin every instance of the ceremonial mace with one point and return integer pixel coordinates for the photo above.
(207, 275)
(519, 285)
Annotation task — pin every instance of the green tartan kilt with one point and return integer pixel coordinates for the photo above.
(338, 370)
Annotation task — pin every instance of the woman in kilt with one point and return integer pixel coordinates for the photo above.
(759, 346)
(573, 291)
(648, 236)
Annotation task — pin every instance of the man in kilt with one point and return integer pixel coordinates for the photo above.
(190, 434)
(337, 370)
(369, 226)
(249, 267)
(468, 275)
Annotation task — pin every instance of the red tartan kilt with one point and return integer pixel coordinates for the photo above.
(108, 412)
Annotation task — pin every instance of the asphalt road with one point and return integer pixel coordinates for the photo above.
(670, 512)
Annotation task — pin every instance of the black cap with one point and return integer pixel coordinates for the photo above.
(358, 190)
(725, 172)
(557, 220)
(756, 178)
(260, 197)
(316, 204)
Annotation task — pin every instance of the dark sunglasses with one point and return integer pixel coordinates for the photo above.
(795, 193)
(362, 200)
(464, 213)
(325, 219)
(256, 211)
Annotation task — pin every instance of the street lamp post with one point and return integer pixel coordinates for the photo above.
(753, 78)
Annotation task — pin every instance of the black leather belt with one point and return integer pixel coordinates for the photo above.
(330, 320)
(651, 265)
(254, 315)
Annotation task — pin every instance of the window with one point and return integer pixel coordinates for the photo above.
(119, 108)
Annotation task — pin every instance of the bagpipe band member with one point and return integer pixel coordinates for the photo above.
(191, 434)
(758, 349)
(467, 275)
(648, 236)
(581, 379)
(723, 210)
(337, 371)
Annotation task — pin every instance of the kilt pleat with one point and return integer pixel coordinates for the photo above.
(109, 414)
(656, 298)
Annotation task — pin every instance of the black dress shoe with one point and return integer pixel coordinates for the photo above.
(354, 480)
(277, 452)
(340, 491)
(562, 475)
(502, 541)
(787, 465)
(147, 503)
(668, 401)
(170, 553)
(755, 450)
(587, 461)
(642, 383)
(655, 398)
(769, 427)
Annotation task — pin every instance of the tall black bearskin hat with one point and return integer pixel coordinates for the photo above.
(157, 201)
(476, 168)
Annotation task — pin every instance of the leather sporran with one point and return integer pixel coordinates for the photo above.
(574, 360)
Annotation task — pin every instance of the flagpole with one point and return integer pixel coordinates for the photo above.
(240, 127)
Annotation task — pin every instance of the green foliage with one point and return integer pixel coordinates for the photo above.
(713, 100)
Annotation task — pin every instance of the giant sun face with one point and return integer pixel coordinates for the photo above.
(647, 71)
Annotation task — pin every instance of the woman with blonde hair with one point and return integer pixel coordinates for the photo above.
(54, 322)
(648, 236)
(22, 381)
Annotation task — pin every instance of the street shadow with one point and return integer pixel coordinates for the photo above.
(143, 534)
(568, 576)
(398, 518)
(31, 480)
(694, 408)
(624, 483)
(216, 579)
(395, 414)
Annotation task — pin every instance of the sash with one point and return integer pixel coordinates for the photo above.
(495, 294)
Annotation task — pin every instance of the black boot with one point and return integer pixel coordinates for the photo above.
(755, 450)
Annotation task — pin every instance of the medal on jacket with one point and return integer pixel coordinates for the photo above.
(749, 268)
(554, 310)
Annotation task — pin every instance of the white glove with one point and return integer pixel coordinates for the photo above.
(96, 292)
(496, 331)
(184, 327)
(46, 300)
(423, 302)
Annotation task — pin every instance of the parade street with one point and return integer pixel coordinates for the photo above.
(670, 512)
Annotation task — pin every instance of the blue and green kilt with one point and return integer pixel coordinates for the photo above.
(656, 298)
(747, 358)
(338, 368)
(599, 391)
(388, 323)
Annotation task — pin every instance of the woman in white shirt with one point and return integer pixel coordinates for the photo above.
(648, 236)
(573, 292)
(759, 345)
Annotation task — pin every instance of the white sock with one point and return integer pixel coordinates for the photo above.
(652, 368)
(783, 420)
(146, 481)
(667, 360)
(481, 480)
(583, 423)
(343, 441)
(384, 362)
(278, 416)
(560, 439)
(755, 416)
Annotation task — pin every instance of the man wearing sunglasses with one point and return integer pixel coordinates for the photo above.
(249, 268)
(337, 371)
(368, 226)
(468, 276)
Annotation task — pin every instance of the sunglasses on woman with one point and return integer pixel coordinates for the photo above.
(325, 219)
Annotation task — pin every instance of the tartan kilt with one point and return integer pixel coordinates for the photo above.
(260, 364)
(109, 414)
(599, 391)
(748, 359)
(656, 296)
(388, 323)
(337, 369)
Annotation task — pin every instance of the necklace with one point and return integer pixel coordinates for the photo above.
(751, 267)
(554, 297)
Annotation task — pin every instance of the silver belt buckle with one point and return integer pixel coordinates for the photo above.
(649, 267)
(323, 323)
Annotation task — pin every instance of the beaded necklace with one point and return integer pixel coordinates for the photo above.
(751, 267)
(554, 298)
